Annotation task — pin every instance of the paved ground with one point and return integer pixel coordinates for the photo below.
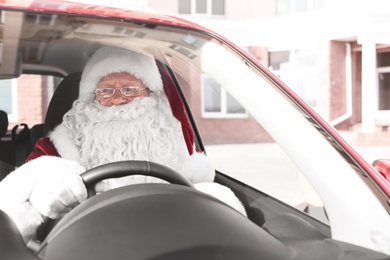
(266, 167)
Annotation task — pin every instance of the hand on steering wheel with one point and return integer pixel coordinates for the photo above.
(117, 170)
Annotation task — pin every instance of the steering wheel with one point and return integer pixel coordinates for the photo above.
(117, 170)
(128, 168)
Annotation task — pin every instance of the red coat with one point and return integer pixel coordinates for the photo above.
(43, 147)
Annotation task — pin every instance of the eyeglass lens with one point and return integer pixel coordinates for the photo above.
(125, 91)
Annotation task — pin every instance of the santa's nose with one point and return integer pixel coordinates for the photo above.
(118, 99)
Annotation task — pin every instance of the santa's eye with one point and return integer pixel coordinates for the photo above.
(131, 91)
(105, 92)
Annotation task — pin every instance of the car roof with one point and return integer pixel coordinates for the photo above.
(70, 10)
(103, 11)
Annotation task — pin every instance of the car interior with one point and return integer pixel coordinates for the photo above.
(282, 228)
(198, 226)
(6, 163)
(15, 145)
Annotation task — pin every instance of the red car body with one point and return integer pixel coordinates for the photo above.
(377, 179)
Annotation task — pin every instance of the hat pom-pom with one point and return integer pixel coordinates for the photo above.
(198, 168)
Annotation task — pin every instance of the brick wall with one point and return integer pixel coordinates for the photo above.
(32, 100)
(337, 88)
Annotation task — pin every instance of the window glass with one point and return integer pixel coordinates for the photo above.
(218, 102)
(301, 5)
(277, 143)
(26, 98)
(283, 7)
(246, 149)
(201, 6)
(185, 7)
(383, 59)
(211, 95)
(233, 107)
(299, 69)
(6, 96)
(218, 7)
(250, 155)
(384, 91)
(383, 63)
(265, 166)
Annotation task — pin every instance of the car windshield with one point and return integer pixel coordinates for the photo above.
(238, 110)
(251, 127)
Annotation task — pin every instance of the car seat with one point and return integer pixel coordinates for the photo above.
(20, 135)
(14, 147)
(61, 102)
(36, 132)
(3, 123)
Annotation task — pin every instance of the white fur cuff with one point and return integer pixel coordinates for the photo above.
(222, 193)
(25, 217)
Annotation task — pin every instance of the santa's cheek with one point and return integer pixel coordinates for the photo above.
(105, 102)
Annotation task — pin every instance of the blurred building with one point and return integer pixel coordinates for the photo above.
(334, 53)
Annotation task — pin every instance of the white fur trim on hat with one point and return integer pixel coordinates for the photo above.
(107, 60)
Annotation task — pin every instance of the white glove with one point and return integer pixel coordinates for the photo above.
(56, 193)
(17, 188)
(222, 193)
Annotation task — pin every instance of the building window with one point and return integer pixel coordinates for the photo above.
(383, 70)
(185, 7)
(299, 70)
(283, 7)
(218, 7)
(2, 17)
(8, 98)
(384, 91)
(217, 103)
(286, 7)
(202, 7)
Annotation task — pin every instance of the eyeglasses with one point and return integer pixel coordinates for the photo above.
(129, 91)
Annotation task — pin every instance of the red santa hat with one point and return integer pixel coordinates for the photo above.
(107, 60)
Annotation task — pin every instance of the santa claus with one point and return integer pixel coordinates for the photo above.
(123, 113)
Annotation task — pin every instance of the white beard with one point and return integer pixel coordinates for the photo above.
(143, 129)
